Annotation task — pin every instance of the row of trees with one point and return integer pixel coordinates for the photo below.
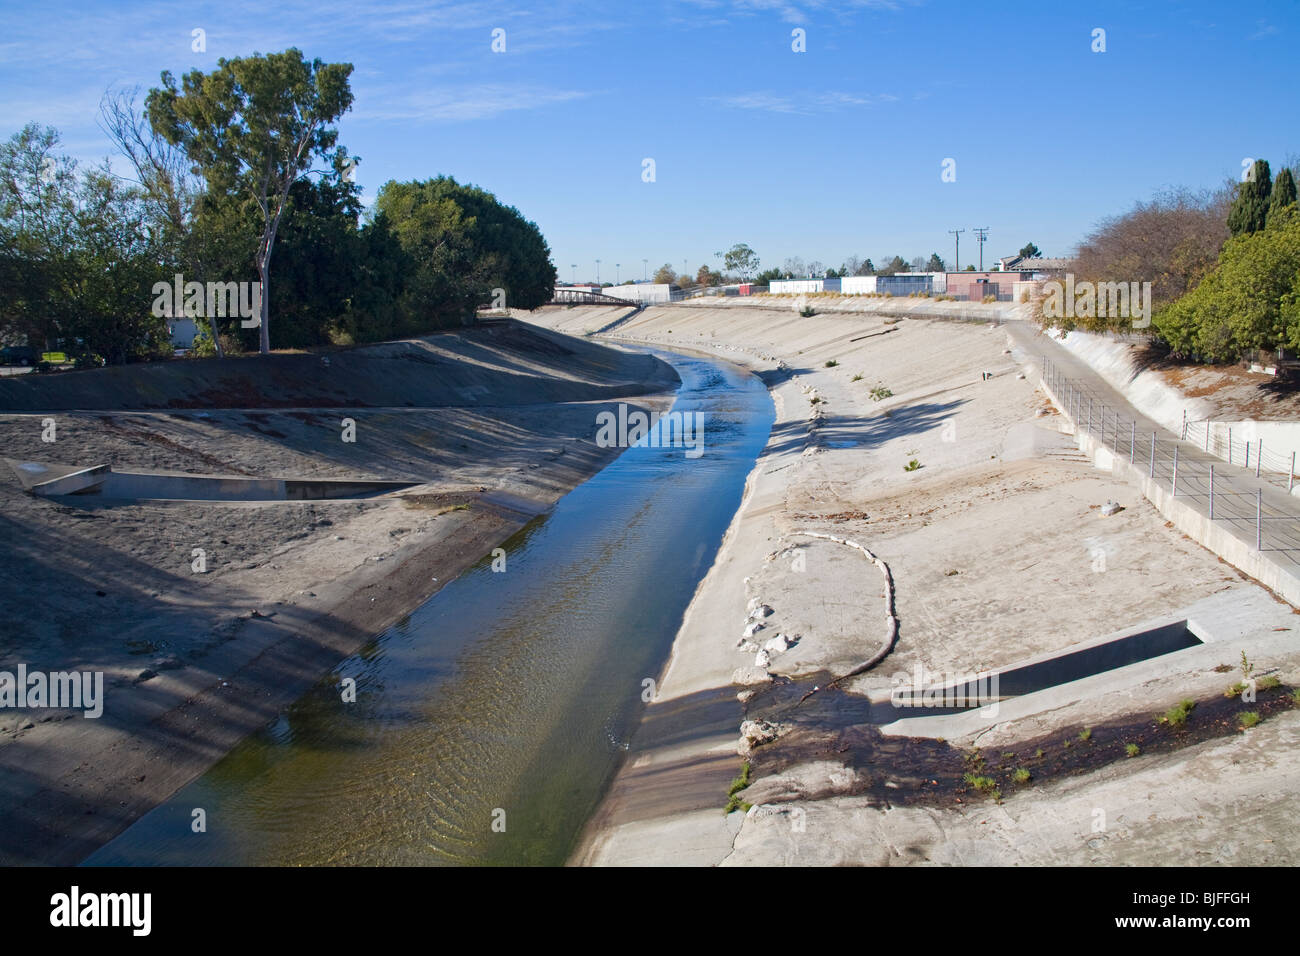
(220, 187)
(1224, 266)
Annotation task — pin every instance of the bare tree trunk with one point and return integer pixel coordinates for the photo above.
(264, 332)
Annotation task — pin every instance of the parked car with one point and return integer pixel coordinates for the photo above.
(19, 355)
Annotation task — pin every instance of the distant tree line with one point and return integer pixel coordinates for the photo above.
(218, 185)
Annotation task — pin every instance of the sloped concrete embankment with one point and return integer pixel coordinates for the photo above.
(499, 364)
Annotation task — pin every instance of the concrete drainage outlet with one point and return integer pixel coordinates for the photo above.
(101, 485)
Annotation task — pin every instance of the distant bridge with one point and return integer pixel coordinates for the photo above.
(563, 296)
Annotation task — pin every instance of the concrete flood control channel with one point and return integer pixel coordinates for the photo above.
(508, 698)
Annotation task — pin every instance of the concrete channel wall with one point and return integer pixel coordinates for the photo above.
(1187, 519)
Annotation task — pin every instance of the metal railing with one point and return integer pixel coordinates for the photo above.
(1178, 466)
(1252, 455)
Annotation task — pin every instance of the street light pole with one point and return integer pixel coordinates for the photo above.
(574, 267)
(617, 266)
(597, 272)
(645, 265)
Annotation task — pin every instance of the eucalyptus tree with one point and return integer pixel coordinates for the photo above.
(253, 127)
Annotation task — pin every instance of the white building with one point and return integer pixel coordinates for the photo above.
(645, 292)
(795, 286)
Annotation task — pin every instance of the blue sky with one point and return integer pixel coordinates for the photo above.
(821, 154)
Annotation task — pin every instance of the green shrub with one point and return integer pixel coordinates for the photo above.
(1021, 775)
(1132, 749)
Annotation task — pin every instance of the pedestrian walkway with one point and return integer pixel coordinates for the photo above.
(1258, 513)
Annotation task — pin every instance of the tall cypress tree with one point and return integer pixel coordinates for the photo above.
(1249, 210)
(1284, 193)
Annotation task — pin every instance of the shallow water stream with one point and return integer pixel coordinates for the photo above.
(489, 721)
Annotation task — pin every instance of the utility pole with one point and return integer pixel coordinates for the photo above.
(597, 272)
(574, 267)
(645, 266)
(981, 233)
(957, 233)
(617, 265)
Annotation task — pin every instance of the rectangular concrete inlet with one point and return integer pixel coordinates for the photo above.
(103, 484)
(1062, 669)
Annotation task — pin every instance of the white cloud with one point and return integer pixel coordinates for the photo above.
(802, 104)
(456, 104)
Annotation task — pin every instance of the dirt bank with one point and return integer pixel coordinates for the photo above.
(493, 424)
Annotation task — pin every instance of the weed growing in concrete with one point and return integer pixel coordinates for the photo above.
(832, 363)
(733, 792)
(1085, 734)
(912, 465)
(1176, 716)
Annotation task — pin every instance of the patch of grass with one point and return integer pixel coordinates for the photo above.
(983, 784)
(1132, 749)
(880, 392)
(1268, 683)
(1085, 734)
(1249, 719)
(733, 792)
(1295, 696)
(1235, 690)
(856, 378)
(1009, 754)
(913, 465)
(1039, 753)
(1021, 775)
(832, 363)
(1176, 715)
(816, 401)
